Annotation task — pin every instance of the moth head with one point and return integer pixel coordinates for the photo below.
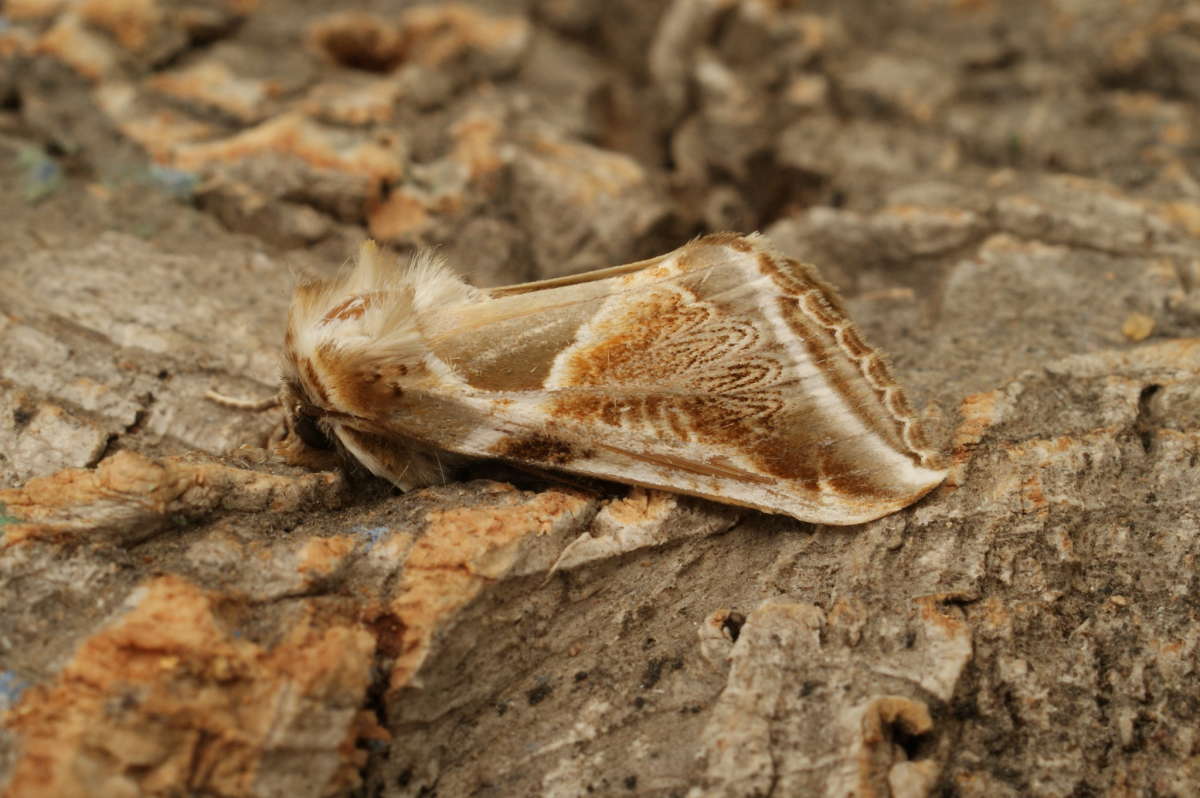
(355, 345)
(321, 440)
(308, 438)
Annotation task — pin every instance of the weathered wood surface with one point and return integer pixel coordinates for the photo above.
(1006, 193)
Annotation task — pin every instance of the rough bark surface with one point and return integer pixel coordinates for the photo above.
(1007, 195)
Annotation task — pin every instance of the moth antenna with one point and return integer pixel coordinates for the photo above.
(441, 471)
(253, 405)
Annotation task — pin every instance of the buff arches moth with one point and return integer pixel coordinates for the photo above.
(722, 369)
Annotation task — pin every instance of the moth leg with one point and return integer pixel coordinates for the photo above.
(405, 463)
(289, 445)
(278, 432)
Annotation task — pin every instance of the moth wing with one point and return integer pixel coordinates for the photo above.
(575, 279)
(721, 370)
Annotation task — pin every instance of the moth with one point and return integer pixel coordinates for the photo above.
(722, 370)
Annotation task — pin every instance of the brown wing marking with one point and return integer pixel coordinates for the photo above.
(706, 469)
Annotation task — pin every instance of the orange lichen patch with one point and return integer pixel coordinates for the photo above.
(923, 212)
(1131, 50)
(399, 216)
(103, 193)
(1186, 215)
(1164, 272)
(462, 550)
(910, 716)
(929, 229)
(979, 412)
(213, 84)
(1091, 185)
(393, 548)
(1004, 244)
(16, 42)
(1033, 498)
(993, 619)
(846, 618)
(129, 496)
(166, 698)
(1175, 659)
(585, 174)
(1139, 104)
(1137, 326)
(19, 10)
(640, 506)
(86, 52)
(1176, 354)
(879, 766)
(807, 91)
(932, 614)
(159, 131)
(130, 22)
(434, 35)
(1033, 461)
(948, 640)
(322, 556)
(1060, 539)
(354, 102)
(358, 40)
(1042, 449)
(1176, 135)
(294, 135)
(475, 144)
(367, 728)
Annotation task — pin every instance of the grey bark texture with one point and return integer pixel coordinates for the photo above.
(1007, 196)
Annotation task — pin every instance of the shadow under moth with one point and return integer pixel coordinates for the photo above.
(721, 369)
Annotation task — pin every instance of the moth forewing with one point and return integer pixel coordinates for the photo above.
(721, 370)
